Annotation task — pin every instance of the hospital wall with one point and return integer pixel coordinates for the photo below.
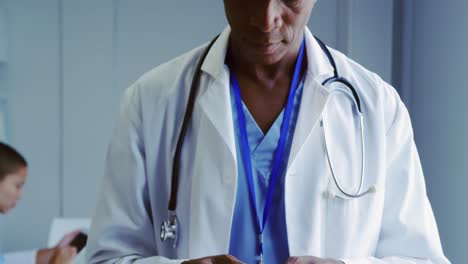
(68, 62)
(439, 108)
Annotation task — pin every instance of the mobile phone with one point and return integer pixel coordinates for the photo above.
(79, 242)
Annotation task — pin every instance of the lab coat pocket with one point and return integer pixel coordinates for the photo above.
(352, 221)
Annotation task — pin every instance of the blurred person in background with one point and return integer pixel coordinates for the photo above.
(13, 174)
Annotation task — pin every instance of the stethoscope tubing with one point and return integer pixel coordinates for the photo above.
(183, 131)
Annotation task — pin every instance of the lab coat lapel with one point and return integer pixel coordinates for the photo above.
(314, 97)
(215, 97)
(313, 102)
(215, 180)
(216, 105)
(305, 177)
(215, 171)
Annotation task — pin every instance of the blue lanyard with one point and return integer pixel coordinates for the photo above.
(280, 149)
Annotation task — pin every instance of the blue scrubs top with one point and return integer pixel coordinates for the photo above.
(244, 236)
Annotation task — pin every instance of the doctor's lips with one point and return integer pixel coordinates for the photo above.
(264, 47)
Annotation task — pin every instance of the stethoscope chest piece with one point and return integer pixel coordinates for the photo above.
(170, 229)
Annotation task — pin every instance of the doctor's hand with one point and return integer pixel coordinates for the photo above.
(220, 259)
(63, 255)
(312, 260)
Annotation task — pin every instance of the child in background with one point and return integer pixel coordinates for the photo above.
(13, 174)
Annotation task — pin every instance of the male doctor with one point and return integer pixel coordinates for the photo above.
(255, 182)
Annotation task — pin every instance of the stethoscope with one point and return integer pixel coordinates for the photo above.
(170, 227)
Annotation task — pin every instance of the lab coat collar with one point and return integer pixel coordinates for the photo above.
(214, 61)
(215, 98)
(318, 64)
(317, 61)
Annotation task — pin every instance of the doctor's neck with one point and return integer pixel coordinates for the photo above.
(264, 63)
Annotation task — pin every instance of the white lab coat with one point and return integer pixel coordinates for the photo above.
(395, 224)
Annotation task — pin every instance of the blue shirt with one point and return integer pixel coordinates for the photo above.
(244, 236)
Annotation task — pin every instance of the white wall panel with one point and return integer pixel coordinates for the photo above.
(439, 107)
(371, 35)
(3, 33)
(88, 102)
(152, 32)
(32, 75)
(323, 21)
